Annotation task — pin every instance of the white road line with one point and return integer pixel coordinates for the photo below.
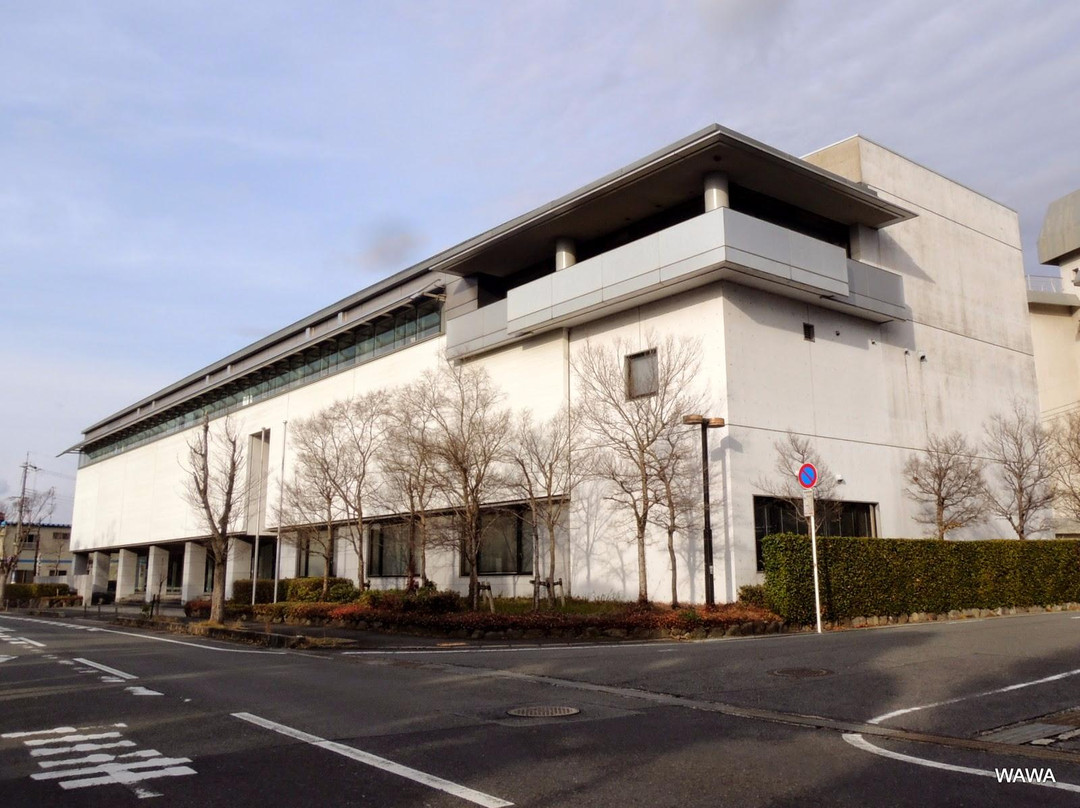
(129, 778)
(146, 637)
(1020, 686)
(142, 691)
(859, 742)
(98, 758)
(96, 736)
(476, 797)
(81, 747)
(7, 658)
(106, 669)
(57, 731)
(33, 642)
(108, 768)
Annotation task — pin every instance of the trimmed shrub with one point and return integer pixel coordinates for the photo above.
(424, 600)
(752, 594)
(200, 609)
(310, 590)
(264, 590)
(35, 591)
(866, 577)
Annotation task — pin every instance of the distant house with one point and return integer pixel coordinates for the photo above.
(45, 556)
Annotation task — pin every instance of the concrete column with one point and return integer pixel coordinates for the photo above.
(864, 244)
(716, 191)
(565, 253)
(194, 581)
(97, 576)
(125, 574)
(239, 565)
(156, 569)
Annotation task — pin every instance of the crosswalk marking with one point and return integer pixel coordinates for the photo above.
(79, 747)
(129, 768)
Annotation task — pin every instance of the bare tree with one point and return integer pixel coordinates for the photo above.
(31, 510)
(214, 464)
(631, 400)
(546, 478)
(311, 500)
(406, 463)
(675, 493)
(361, 423)
(792, 452)
(1065, 451)
(470, 434)
(947, 481)
(1020, 488)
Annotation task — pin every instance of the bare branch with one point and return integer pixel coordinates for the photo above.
(947, 481)
(1020, 486)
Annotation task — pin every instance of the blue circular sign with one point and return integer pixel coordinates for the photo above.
(807, 475)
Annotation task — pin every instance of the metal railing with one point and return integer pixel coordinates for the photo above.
(1044, 283)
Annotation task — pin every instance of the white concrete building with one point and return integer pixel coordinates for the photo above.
(852, 296)
(1055, 309)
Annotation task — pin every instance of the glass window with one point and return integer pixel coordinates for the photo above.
(397, 330)
(390, 548)
(776, 515)
(505, 545)
(641, 374)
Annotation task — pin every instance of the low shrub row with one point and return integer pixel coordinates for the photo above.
(862, 577)
(633, 617)
(35, 591)
(339, 590)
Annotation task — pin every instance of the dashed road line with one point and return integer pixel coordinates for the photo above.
(106, 669)
(430, 780)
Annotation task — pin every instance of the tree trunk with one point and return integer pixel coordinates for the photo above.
(643, 583)
(217, 597)
(411, 567)
(551, 563)
(674, 569)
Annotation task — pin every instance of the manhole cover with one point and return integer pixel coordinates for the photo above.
(543, 712)
(801, 673)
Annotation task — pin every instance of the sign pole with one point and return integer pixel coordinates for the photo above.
(808, 478)
(813, 551)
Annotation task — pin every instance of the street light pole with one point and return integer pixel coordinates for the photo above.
(706, 424)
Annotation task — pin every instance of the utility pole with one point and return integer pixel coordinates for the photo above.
(26, 466)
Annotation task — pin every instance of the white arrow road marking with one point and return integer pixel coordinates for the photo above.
(142, 691)
(430, 780)
(33, 642)
(5, 658)
(106, 669)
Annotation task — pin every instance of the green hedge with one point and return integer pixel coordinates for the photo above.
(34, 591)
(864, 577)
(309, 590)
(264, 590)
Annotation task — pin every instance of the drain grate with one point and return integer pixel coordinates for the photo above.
(801, 673)
(543, 712)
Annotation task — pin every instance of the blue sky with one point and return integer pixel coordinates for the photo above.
(178, 180)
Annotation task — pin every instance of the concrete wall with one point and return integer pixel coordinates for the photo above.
(868, 394)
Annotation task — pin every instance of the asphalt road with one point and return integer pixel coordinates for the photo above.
(912, 715)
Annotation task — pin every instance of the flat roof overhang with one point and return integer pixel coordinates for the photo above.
(661, 180)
